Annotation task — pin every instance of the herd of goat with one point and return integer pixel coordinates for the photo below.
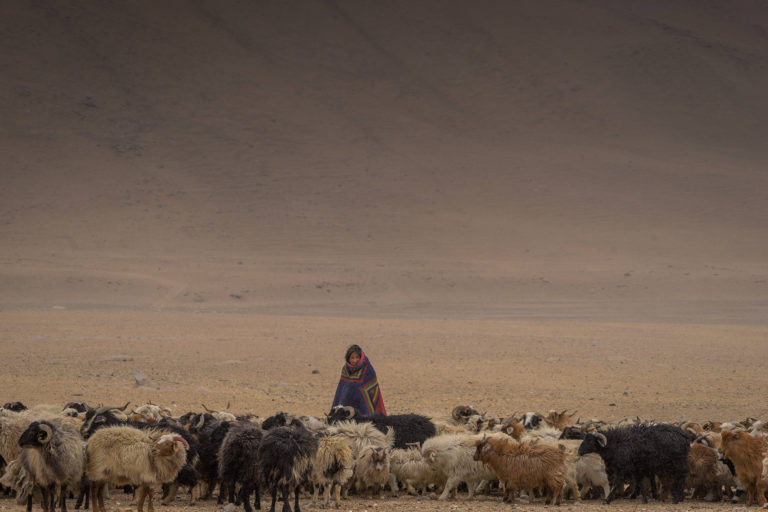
(47, 453)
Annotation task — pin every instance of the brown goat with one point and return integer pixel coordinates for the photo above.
(560, 420)
(746, 453)
(704, 475)
(524, 466)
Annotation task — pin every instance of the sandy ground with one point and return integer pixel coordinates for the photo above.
(518, 205)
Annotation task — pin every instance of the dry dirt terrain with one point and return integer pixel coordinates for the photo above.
(518, 205)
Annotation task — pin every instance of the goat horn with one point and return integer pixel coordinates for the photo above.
(123, 407)
(228, 404)
(105, 408)
(48, 432)
(350, 411)
(456, 413)
(201, 422)
(182, 440)
(208, 410)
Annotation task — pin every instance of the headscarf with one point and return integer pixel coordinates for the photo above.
(358, 386)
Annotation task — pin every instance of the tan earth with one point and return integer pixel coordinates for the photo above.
(518, 205)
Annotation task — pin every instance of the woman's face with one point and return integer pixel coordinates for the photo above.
(354, 358)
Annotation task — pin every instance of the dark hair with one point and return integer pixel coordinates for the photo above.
(351, 350)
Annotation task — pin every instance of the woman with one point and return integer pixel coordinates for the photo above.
(358, 386)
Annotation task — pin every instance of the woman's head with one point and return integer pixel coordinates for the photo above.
(353, 355)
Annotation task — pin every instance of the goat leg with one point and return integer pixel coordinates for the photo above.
(63, 497)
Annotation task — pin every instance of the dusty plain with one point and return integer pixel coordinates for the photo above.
(517, 205)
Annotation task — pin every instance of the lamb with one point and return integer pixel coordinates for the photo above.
(747, 453)
(285, 455)
(53, 454)
(409, 428)
(332, 467)
(635, 452)
(371, 471)
(451, 455)
(524, 465)
(411, 470)
(129, 456)
(238, 462)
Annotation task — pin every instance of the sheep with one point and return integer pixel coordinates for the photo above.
(635, 452)
(409, 428)
(129, 456)
(114, 416)
(238, 462)
(14, 406)
(285, 455)
(543, 432)
(451, 455)
(524, 465)
(53, 454)
(411, 470)
(590, 471)
(332, 467)
(362, 435)
(371, 470)
(704, 475)
(18, 479)
(746, 452)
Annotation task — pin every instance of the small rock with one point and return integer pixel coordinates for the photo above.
(611, 405)
(230, 507)
(315, 372)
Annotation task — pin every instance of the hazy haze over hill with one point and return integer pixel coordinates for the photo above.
(595, 159)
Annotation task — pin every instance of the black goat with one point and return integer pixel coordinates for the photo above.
(210, 438)
(285, 457)
(280, 419)
(15, 406)
(635, 452)
(410, 429)
(238, 463)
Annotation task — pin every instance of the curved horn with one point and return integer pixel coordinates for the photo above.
(105, 408)
(182, 441)
(601, 439)
(165, 412)
(48, 433)
(456, 413)
(200, 423)
(350, 411)
(123, 407)
(228, 404)
(208, 410)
